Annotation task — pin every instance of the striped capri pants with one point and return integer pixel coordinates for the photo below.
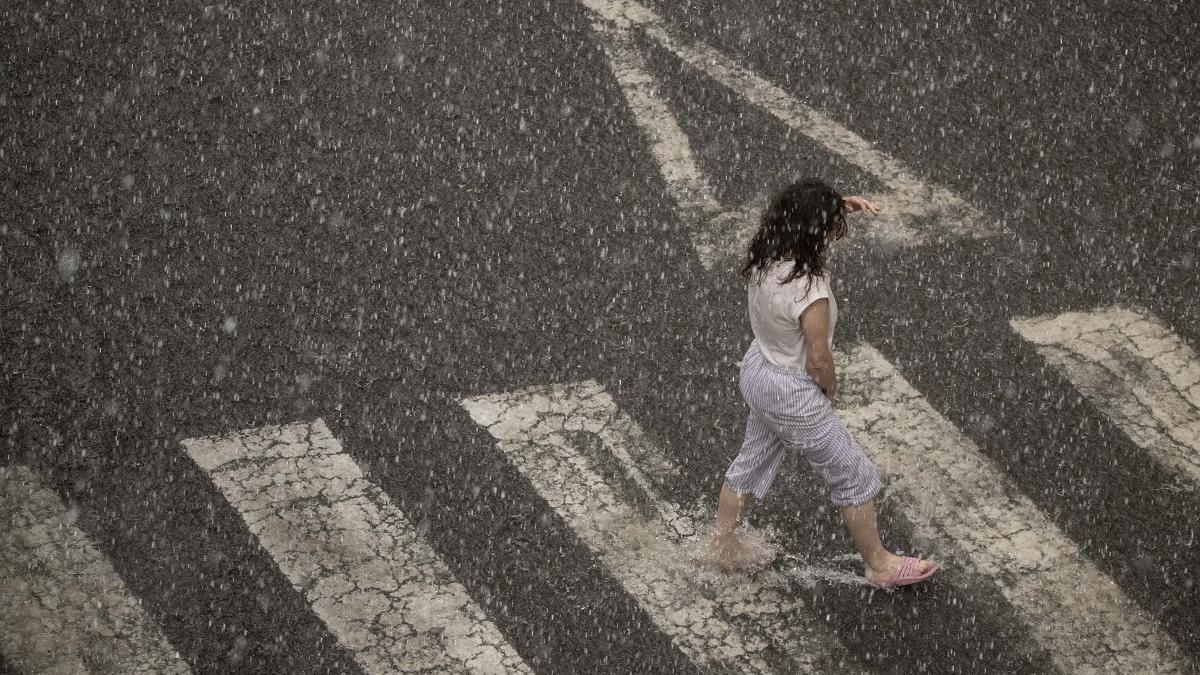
(789, 411)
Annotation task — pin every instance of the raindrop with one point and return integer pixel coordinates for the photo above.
(68, 263)
(1134, 128)
(239, 649)
(229, 325)
(304, 381)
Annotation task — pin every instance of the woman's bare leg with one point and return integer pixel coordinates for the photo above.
(730, 508)
(731, 552)
(880, 563)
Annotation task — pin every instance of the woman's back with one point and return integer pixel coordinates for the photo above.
(775, 307)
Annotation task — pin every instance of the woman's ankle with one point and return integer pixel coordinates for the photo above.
(877, 560)
(729, 537)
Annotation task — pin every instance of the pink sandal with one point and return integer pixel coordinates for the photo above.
(907, 574)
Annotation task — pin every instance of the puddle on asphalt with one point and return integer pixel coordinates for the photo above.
(765, 562)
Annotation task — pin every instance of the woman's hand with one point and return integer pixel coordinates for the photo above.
(855, 203)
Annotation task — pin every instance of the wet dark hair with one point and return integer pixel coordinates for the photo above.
(796, 224)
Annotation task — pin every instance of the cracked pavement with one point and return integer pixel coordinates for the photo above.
(62, 607)
(357, 559)
(1133, 367)
(960, 504)
(739, 624)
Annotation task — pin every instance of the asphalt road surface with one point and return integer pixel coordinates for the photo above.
(370, 336)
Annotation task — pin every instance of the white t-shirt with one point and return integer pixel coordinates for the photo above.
(775, 309)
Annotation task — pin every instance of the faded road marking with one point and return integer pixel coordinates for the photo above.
(591, 463)
(694, 197)
(382, 591)
(914, 211)
(63, 609)
(957, 499)
(1133, 369)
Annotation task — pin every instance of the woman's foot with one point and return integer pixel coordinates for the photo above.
(731, 553)
(897, 570)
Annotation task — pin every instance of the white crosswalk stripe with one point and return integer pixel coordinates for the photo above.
(730, 622)
(914, 210)
(1136, 371)
(381, 590)
(959, 501)
(62, 607)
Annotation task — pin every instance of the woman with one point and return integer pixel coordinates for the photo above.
(788, 380)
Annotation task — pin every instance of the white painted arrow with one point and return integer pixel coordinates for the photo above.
(914, 211)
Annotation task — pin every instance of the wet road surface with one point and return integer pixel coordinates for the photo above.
(369, 336)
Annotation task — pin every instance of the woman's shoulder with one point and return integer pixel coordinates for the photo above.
(781, 271)
(785, 268)
(806, 286)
